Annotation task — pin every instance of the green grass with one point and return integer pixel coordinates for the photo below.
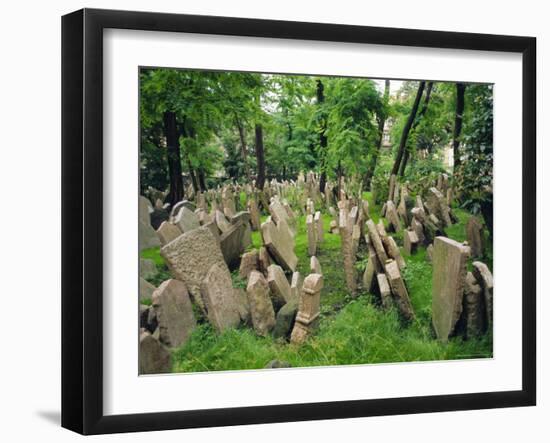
(162, 270)
(352, 331)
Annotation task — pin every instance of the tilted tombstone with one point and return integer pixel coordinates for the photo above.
(278, 286)
(264, 260)
(376, 241)
(146, 290)
(168, 232)
(418, 229)
(399, 290)
(484, 278)
(184, 203)
(154, 358)
(186, 220)
(348, 255)
(295, 286)
(147, 236)
(261, 308)
(231, 244)
(190, 256)
(280, 245)
(394, 251)
(222, 222)
(385, 290)
(392, 216)
(474, 233)
(249, 263)
(410, 241)
(473, 307)
(314, 265)
(319, 225)
(449, 275)
(254, 214)
(174, 313)
(437, 206)
(222, 306)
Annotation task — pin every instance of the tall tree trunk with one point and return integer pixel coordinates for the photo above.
(174, 157)
(243, 148)
(323, 141)
(202, 180)
(460, 89)
(415, 124)
(260, 158)
(407, 128)
(381, 123)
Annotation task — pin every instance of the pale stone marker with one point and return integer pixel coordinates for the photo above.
(385, 291)
(410, 241)
(154, 358)
(278, 285)
(249, 263)
(418, 229)
(168, 232)
(392, 216)
(449, 275)
(174, 313)
(147, 236)
(314, 265)
(222, 306)
(254, 214)
(347, 252)
(485, 280)
(311, 235)
(231, 243)
(473, 307)
(264, 260)
(295, 286)
(261, 308)
(319, 225)
(437, 205)
(399, 290)
(474, 233)
(222, 222)
(376, 241)
(284, 321)
(190, 256)
(145, 210)
(280, 245)
(146, 289)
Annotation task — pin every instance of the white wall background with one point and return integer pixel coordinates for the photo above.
(30, 259)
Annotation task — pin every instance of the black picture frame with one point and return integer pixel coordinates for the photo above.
(82, 231)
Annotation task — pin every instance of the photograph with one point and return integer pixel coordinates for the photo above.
(290, 221)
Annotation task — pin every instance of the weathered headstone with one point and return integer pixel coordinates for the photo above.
(222, 222)
(147, 236)
(315, 265)
(254, 214)
(418, 229)
(474, 233)
(392, 216)
(399, 290)
(174, 313)
(385, 291)
(311, 235)
(485, 280)
(168, 232)
(410, 241)
(295, 286)
(264, 260)
(334, 227)
(449, 275)
(308, 308)
(261, 308)
(186, 220)
(319, 225)
(473, 307)
(437, 206)
(231, 244)
(284, 321)
(430, 252)
(154, 358)
(376, 241)
(278, 286)
(249, 263)
(348, 255)
(145, 210)
(190, 256)
(217, 292)
(393, 251)
(146, 290)
(280, 245)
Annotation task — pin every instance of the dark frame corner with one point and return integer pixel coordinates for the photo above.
(82, 152)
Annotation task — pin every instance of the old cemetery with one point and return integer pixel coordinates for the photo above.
(310, 280)
(298, 221)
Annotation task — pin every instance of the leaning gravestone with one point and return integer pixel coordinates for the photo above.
(147, 236)
(485, 280)
(153, 357)
(399, 290)
(221, 221)
(145, 210)
(261, 308)
(385, 291)
(231, 243)
(449, 275)
(376, 242)
(473, 307)
(168, 232)
(284, 321)
(186, 220)
(311, 235)
(278, 285)
(392, 216)
(280, 244)
(308, 308)
(174, 313)
(146, 289)
(249, 263)
(190, 256)
(474, 233)
(220, 300)
(184, 203)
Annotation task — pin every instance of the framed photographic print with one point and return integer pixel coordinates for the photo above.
(269, 221)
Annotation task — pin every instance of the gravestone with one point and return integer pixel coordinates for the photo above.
(154, 358)
(146, 290)
(147, 268)
(249, 263)
(319, 225)
(368, 275)
(449, 275)
(222, 222)
(184, 203)
(376, 241)
(308, 308)
(410, 241)
(261, 308)
(418, 229)
(278, 286)
(231, 244)
(399, 290)
(473, 307)
(474, 233)
(393, 217)
(186, 220)
(385, 290)
(430, 252)
(147, 236)
(254, 214)
(295, 286)
(280, 245)
(174, 313)
(284, 321)
(167, 232)
(311, 235)
(264, 260)
(315, 266)
(190, 256)
(485, 280)
(145, 210)
(348, 255)
(279, 215)
(244, 308)
(334, 227)
(221, 305)
(437, 206)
